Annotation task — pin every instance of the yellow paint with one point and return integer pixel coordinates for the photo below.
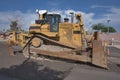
(69, 33)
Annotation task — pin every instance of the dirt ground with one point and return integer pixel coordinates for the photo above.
(19, 67)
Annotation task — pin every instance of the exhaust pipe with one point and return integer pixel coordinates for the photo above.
(72, 17)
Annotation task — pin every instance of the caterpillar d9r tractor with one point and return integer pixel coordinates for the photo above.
(50, 36)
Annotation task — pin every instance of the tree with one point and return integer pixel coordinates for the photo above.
(14, 25)
(111, 29)
(103, 28)
(97, 26)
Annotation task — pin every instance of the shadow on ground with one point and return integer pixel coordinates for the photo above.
(118, 65)
(30, 70)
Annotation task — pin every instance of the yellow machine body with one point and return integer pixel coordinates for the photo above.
(49, 29)
(67, 33)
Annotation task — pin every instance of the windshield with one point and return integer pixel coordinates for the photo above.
(54, 20)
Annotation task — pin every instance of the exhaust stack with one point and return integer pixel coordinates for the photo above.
(72, 17)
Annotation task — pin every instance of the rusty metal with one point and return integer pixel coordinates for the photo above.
(98, 57)
(64, 55)
(96, 36)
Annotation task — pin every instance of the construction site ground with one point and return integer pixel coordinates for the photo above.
(19, 67)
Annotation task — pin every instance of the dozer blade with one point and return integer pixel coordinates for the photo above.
(98, 57)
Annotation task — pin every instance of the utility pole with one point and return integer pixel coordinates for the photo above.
(108, 21)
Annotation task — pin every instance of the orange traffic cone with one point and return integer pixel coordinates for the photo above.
(108, 52)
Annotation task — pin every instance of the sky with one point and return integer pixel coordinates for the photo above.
(93, 11)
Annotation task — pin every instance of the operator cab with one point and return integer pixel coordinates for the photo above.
(52, 19)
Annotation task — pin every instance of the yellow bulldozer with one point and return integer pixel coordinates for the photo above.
(49, 36)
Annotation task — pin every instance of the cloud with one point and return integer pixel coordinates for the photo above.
(100, 6)
(115, 10)
(113, 13)
(90, 19)
(87, 17)
(55, 3)
(25, 19)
